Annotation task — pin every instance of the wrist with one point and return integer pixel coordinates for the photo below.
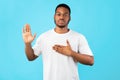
(27, 44)
(72, 53)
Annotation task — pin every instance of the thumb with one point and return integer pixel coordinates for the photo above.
(68, 44)
(34, 35)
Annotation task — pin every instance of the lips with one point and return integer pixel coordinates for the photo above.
(61, 21)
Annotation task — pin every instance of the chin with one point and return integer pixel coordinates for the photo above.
(61, 26)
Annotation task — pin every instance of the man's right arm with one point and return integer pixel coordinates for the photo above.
(28, 38)
(29, 52)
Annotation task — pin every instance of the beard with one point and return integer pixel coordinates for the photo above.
(61, 26)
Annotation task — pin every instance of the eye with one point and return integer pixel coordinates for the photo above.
(58, 14)
(66, 14)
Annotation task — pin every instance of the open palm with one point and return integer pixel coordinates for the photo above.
(27, 35)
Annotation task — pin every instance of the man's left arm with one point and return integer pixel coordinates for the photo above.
(66, 50)
(83, 58)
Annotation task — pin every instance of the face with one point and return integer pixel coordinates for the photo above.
(62, 17)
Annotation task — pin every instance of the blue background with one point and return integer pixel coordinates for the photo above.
(98, 20)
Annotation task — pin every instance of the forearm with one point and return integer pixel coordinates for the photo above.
(82, 58)
(29, 52)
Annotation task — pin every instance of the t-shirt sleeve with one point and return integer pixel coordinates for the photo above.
(37, 47)
(84, 47)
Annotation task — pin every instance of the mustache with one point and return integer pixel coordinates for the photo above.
(61, 20)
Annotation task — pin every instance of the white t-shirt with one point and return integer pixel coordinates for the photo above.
(57, 66)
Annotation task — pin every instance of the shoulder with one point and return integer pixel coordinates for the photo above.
(45, 34)
(77, 34)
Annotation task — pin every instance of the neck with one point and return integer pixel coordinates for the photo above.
(61, 30)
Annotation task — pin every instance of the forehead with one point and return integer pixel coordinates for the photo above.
(62, 10)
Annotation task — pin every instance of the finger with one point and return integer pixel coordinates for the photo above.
(27, 28)
(55, 48)
(59, 45)
(34, 35)
(23, 30)
(68, 43)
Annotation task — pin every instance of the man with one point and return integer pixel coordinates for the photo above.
(61, 48)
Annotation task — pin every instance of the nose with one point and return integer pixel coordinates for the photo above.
(61, 16)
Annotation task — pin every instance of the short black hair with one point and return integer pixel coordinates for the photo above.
(63, 5)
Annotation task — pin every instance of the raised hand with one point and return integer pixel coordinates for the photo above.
(27, 35)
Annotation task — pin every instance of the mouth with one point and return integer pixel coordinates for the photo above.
(61, 21)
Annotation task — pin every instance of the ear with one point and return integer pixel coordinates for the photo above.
(54, 16)
(70, 18)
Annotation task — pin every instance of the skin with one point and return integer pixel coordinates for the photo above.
(28, 38)
(61, 18)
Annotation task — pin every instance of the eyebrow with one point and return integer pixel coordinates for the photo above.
(64, 13)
